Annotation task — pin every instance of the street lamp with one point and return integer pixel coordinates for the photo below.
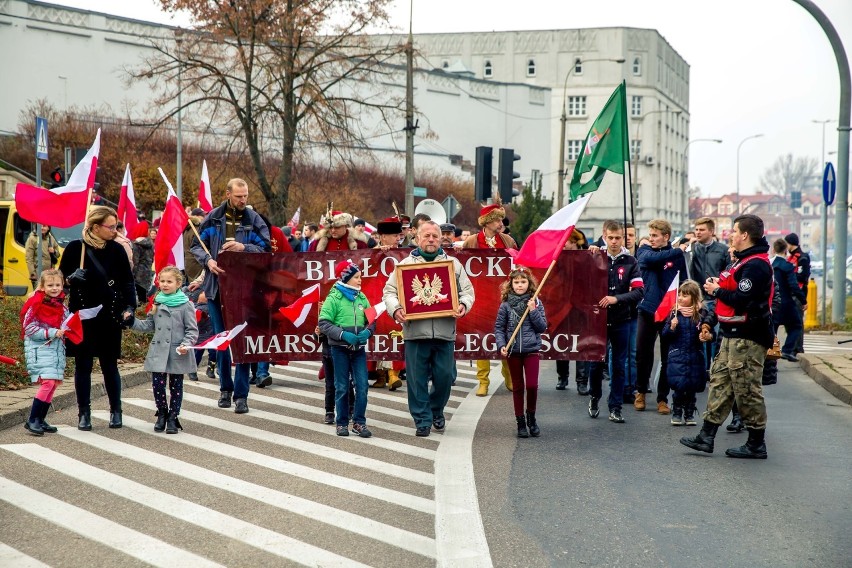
(179, 42)
(635, 176)
(561, 190)
(685, 171)
(738, 164)
(824, 228)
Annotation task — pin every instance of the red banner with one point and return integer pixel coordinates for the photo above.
(254, 286)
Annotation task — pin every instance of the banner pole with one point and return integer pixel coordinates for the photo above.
(527, 310)
(194, 230)
(85, 219)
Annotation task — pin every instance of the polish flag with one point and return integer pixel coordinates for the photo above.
(543, 246)
(368, 228)
(221, 341)
(373, 312)
(168, 248)
(8, 360)
(298, 311)
(294, 222)
(669, 300)
(205, 201)
(73, 324)
(61, 207)
(127, 203)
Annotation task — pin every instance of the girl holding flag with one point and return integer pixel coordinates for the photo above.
(41, 321)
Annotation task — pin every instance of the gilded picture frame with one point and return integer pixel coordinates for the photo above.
(427, 289)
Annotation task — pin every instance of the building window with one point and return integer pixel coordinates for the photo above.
(488, 70)
(635, 149)
(637, 66)
(576, 106)
(637, 192)
(574, 149)
(636, 106)
(531, 68)
(578, 66)
(806, 210)
(445, 63)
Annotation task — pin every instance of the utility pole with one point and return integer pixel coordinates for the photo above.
(410, 127)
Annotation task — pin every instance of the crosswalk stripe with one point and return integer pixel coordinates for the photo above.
(348, 458)
(324, 429)
(187, 511)
(84, 523)
(406, 430)
(311, 374)
(365, 526)
(280, 465)
(12, 557)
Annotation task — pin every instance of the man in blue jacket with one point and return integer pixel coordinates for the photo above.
(659, 264)
(231, 227)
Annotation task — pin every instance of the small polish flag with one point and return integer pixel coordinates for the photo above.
(669, 300)
(205, 200)
(298, 311)
(368, 228)
(221, 341)
(294, 222)
(73, 324)
(373, 312)
(8, 360)
(127, 212)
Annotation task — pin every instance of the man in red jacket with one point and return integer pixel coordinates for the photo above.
(339, 235)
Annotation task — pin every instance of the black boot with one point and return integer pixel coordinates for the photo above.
(173, 424)
(161, 414)
(736, 424)
(703, 442)
(48, 429)
(522, 427)
(535, 431)
(33, 424)
(225, 399)
(561, 383)
(85, 414)
(115, 418)
(754, 448)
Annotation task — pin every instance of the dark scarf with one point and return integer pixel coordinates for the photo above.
(46, 310)
(430, 257)
(518, 303)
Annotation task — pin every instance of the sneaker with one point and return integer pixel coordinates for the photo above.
(240, 406)
(423, 431)
(663, 407)
(225, 399)
(594, 411)
(329, 418)
(439, 423)
(361, 430)
(689, 417)
(677, 416)
(264, 381)
(562, 383)
(615, 416)
(639, 403)
(342, 431)
(789, 357)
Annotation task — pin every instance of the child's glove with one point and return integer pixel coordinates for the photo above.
(364, 335)
(350, 338)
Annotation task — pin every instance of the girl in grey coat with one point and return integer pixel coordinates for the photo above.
(172, 320)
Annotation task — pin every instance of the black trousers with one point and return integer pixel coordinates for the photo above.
(83, 380)
(647, 333)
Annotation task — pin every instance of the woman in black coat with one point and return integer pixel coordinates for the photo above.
(105, 279)
(792, 299)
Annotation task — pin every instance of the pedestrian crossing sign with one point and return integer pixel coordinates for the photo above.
(41, 138)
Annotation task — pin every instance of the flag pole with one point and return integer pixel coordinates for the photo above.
(194, 230)
(527, 310)
(88, 206)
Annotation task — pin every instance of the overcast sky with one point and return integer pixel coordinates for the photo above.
(756, 66)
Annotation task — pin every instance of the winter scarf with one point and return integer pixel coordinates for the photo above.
(430, 256)
(171, 300)
(92, 239)
(518, 303)
(45, 310)
(349, 292)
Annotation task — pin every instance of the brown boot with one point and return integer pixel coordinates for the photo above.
(394, 382)
(663, 407)
(639, 403)
(381, 379)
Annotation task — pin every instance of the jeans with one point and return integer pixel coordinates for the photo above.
(618, 337)
(647, 331)
(795, 335)
(263, 369)
(425, 359)
(83, 380)
(630, 374)
(348, 362)
(711, 347)
(240, 383)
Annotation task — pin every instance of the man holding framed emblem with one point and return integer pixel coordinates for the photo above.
(426, 294)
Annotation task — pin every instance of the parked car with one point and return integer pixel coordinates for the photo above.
(830, 276)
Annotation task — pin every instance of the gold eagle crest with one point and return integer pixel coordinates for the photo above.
(428, 292)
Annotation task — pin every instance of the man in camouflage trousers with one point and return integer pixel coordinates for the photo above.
(742, 294)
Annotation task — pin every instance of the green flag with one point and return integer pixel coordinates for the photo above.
(605, 146)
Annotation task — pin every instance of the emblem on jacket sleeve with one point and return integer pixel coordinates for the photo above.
(428, 293)
(745, 285)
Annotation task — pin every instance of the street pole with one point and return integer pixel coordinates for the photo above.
(635, 176)
(738, 167)
(179, 42)
(685, 171)
(824, 227)
(409, 117)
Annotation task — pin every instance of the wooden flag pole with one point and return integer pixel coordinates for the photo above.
(527, 310)
(194, 230)
(83, 243)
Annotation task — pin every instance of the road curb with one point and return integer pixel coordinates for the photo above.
(824, 372)
(18, 413)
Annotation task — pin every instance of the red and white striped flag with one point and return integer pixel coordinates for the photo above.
(73, 324)
(373, 312)
(205, 200)
(545, 243)
(298, 311)
(669, 302)
(168, 248)
(221, 341)
(127, 212)
(368, 228)
(61, 207)
(294, 222)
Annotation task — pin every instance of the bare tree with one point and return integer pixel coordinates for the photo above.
(277, 79)
(788, 174)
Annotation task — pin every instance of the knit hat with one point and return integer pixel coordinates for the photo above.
(359, 221)
(198, 212)
(792, 239)
(490, 213)
(345, 270)
(389, 226)
(341, 220)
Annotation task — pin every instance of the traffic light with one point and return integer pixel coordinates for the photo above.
(795, 199)
(57, 178)
(506, 174)
(482, 174)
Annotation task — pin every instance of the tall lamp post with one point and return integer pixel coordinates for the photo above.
(636, 158)
(824, 227)
(560, 194)
(743, 141)
(179, 174)
(685, 171)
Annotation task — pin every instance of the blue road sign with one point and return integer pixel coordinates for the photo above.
(829, 184)
(41, 138)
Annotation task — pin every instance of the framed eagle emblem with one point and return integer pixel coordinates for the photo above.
(427, 289)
